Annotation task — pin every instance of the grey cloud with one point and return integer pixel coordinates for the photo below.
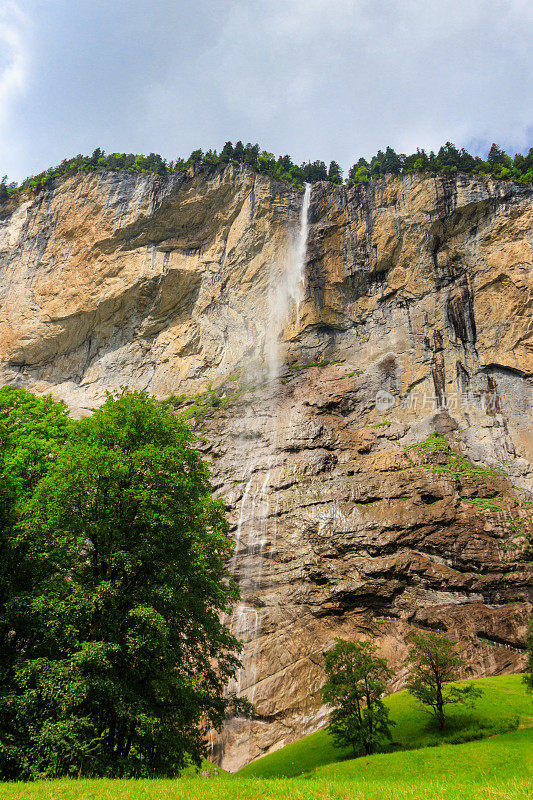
(314, 78)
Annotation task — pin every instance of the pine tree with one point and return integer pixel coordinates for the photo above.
(226, 153)
(334, 172)
(238, 153)
(496, 156)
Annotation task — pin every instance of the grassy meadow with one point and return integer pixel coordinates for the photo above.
(504, 703)
(421, 764)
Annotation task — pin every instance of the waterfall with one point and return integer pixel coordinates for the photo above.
(255, 530)
(288, 290)
(297, 274)
(244, 498)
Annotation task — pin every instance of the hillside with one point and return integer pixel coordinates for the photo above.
(503, 706)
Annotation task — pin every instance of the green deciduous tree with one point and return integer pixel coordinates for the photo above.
(266, 162)
(356, 682)
(32, 432)
(124, 660)
(360, 168)
(434, 664)
(35, 429)
(358, 176)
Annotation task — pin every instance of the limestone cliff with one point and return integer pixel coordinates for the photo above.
(415, 318)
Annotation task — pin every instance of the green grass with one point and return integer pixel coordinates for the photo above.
(504, 698)
(452, 463)
(495, 768)
(299, 367)
(204, 404)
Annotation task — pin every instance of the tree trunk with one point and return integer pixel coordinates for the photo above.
(128, 743)
(440, 708)
(111, 734)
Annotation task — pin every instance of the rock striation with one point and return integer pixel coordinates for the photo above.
(372, 439)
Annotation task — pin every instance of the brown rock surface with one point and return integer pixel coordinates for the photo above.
(417, 315)
(344, 531)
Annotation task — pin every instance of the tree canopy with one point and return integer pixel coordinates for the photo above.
(356, 681)
(448, 160)
(434, 664)
(35, 429)
(114, 658)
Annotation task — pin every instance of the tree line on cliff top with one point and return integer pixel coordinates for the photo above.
(448, 160)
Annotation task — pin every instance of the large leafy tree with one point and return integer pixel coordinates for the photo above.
(356, 681)
(32, 432)
(434, 664)
(128, 659)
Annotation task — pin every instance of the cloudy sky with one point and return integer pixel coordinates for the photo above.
(313, 78)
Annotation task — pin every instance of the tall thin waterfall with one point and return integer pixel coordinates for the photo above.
(257, 524)
(288, 290)
(297, 274)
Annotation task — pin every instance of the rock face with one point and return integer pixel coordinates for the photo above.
(415, 322)
(113, 279)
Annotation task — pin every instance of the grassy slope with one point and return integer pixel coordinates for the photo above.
(503, 697)
(497, 768)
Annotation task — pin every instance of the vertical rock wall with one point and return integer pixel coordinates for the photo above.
(416, 320)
